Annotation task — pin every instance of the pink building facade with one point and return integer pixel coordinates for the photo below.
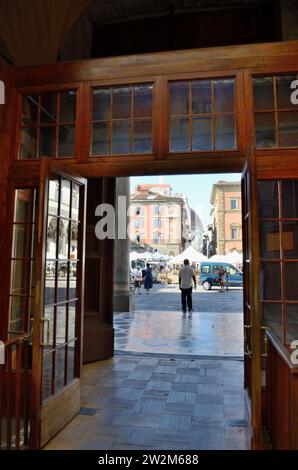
(157, 218)
(227, 216)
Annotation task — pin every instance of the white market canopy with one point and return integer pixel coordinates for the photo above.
(234, 257)
(134, 255)
(219, 259)
(191, 254)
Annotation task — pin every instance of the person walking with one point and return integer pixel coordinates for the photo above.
(148, 278)
(138, 279)
(221, 278)
(186, 279)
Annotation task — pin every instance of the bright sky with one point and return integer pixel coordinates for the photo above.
(197, 188)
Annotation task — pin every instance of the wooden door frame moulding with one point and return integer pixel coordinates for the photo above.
(163, 63)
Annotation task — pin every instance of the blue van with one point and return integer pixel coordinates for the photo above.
(208, 275)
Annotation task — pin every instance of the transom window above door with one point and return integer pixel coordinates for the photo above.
(275, 111)
(202, 115)
(122, 120)
(48, 125)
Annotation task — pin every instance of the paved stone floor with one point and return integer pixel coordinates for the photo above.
(159, 403)
(157, 326)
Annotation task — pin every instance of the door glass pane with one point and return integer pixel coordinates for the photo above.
(68, 104)
(73, 280)
(201, 97)
(179, 98)
(121, 103)
(22, 236)
(272, 318)
(263, 93)
(270, 280)
(179, 135)
(269, 240)
(65, 198)
(28, 143)
(61, 324)
(225, 136)
(290, 199)
(224, 96)
(47, 368)
(284, 91)
(265, 130)
(60, 368)
(71, 320)
(121, 142)
(202, 134)
(291, 322)
(101, 138)
(62, 280)
(291, 281)
(63, 239)
(290, 239)
(142, 101)
(20, 277)
(47, 143)
(29, 110)
(52, 238)
(102, 104)
(66, 141)
(49, 297)
(71, 374)
(142, 137)
(268, 199)
(75, 201)
(288, 129)
(24, 210)
(48, 108)
(74, 241)
(54, 188)
(48, 328)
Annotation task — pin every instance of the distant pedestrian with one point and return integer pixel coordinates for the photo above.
(138, 279)
(221, 278)
(148, 278)
(186, 280)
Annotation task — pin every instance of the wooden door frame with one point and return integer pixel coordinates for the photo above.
(69, 398)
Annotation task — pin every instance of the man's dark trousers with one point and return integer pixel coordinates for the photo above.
(186, 295)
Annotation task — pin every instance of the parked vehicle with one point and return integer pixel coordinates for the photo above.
(209, 278)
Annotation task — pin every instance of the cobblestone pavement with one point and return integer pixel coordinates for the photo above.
(145, 403)
(168, 298)
(157, 326)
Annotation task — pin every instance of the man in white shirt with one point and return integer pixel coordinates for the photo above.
(186, 278)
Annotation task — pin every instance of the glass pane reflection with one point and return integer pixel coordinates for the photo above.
(179, 135)
(291, 281)
(270, 281)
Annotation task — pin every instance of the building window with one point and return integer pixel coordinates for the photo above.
(157, 210)
(233, 204)
(157, 223)
(234, 233)
(276, 117)
(48, 125)
(139, 223)
(202, 115)
(122, 120)
(138, 210)
(157, 238)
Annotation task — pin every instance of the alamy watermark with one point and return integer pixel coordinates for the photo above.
(294, 94)
(2, 92)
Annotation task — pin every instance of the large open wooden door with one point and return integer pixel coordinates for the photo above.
(252, 320)
(57, 324)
